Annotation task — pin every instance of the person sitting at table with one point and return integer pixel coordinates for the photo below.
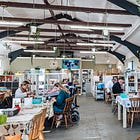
(22, 92)
(117, 87)
(59, 103)
(54, 91)
(108, 88)
(5, 99)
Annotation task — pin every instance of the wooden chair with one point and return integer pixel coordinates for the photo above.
(114, 104)
(14, 137)
(138, 138)
(66, 113)
(134, 110)
(34, 134)
(42, 120)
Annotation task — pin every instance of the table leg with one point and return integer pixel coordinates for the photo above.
(124, 117)
(119, 111)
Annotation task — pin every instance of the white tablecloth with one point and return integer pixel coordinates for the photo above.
(125, 102)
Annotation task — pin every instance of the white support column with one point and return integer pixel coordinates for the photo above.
(119, 111)
(124, 117)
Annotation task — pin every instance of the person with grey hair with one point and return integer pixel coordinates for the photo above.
(117, 87)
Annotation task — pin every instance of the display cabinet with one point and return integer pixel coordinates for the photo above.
(11, 82)
(99, 92)
(87, 80)
(52, 78)
(132, 81)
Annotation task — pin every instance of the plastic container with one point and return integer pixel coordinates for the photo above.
(100, 85)
(3, 118)
(37, 101)
(123, 95)
(10, 112)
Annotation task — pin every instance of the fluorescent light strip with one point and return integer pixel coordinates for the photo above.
(98, 28)
(23, 41)
(11, 23)
(104, 41)
(93, 52)
(94, 44)
(41, 51)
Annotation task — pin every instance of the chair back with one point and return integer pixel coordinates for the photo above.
(135, 104)
(68, 105)
(34, 134)
(43, 117)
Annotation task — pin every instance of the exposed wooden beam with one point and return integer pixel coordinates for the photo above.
(65, 22)
(59, 37)
(63, 8)
(99, 32)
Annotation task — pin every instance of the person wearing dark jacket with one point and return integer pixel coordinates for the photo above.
(117, 87)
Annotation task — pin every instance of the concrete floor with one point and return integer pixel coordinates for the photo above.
(96, 123)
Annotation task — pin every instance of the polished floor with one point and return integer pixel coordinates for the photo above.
(96, 123)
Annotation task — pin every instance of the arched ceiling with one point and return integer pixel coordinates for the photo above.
(54, 19)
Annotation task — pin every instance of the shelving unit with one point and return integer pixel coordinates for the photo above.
(52, 78)
(37, 79)
(12, 82)
(99, 92)
(75, 75)
(132, 80)
(87, 80)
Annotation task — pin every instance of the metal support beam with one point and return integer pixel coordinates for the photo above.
(118, 55)
(13, 55)
(131, 8)
(132, 47)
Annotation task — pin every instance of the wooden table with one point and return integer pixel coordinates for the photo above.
(125, 103)
(22, 123)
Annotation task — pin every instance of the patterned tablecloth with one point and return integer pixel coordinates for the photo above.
(22, 123)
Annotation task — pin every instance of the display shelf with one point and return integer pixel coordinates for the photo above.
(132, 83)
(11, 82)
(87, 82)
(52, 78)
(99, 91)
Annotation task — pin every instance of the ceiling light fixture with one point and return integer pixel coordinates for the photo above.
(23, 41)
(98, 28)
(94, 44)
(11, 23)
(91, 52)
(41, 51)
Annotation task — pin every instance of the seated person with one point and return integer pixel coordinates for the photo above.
(117, 87)
(5, 100)
(59, 103)
(54, 92)
(60, 99)
(108, 88)
(22, 92)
